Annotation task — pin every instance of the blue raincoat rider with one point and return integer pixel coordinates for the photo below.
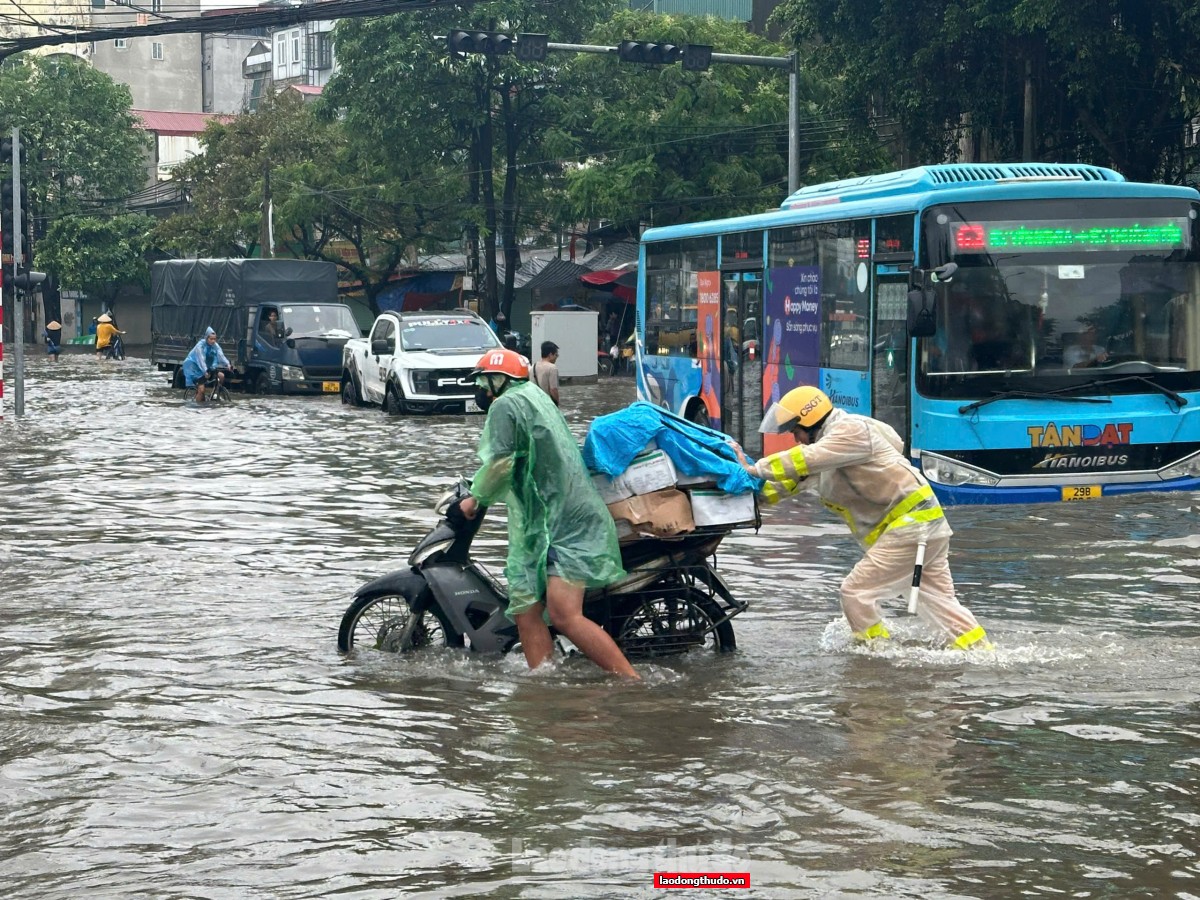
(205, 357)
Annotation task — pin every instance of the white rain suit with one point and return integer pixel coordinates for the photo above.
(857, 467)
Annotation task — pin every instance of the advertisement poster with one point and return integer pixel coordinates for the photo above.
(792, 332)
(708, 342)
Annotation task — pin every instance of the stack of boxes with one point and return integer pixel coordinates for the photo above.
(652, 499)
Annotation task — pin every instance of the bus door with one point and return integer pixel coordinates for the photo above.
(741, 363)
(890, 376)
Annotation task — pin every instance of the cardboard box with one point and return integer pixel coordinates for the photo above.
(660, 514)
(649, 472)
(691, 481)
(720, 508)
(611, 490)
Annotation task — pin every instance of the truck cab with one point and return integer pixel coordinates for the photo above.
(417, 362)
(296, 348)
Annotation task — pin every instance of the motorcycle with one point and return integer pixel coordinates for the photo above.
(670, 601)
(115, 348)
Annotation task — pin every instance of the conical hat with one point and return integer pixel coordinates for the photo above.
(105, 318)
(53, 326)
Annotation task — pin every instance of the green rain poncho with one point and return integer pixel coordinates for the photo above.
(532, 463)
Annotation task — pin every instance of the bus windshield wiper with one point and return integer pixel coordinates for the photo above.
(1027, 395)
(1179, 400)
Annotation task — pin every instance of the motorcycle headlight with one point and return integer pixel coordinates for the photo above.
(940, 470)
(1188, 467)
(291, 373)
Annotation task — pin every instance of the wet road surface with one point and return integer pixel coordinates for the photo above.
(175, 720)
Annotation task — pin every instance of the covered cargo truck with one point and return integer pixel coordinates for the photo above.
(301, 354)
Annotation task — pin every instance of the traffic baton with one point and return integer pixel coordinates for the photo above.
(916, 582)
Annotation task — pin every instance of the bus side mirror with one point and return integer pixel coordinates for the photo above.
(922, 316)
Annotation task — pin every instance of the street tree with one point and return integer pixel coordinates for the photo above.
(84, 147)
(660, 144)
(490, 118)
(98, 255)
(228, 182)
(1112, 83)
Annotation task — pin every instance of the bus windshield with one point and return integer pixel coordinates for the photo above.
(1052, 292)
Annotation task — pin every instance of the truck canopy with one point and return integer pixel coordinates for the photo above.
(190, 295)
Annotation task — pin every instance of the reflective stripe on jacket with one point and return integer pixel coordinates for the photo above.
(857, 467)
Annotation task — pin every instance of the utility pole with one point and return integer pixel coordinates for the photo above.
(18, 299)
(266, 233)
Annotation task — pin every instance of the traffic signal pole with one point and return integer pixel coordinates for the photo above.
(18, 300)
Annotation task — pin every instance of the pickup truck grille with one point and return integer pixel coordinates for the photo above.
(444, 382)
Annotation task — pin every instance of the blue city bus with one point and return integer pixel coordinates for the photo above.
(1032, 330)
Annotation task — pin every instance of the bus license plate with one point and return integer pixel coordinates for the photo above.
(1082, 492)
(330, 387)
(472, 406)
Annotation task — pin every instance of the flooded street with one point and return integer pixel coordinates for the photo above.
(176, 722)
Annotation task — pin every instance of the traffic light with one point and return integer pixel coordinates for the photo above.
(27, 280)
(492, 43)
(532, 47)
(6, 152)
(648, 53)
(6, 218)
(697, 57)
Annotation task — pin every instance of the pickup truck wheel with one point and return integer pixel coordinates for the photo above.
(262, 383)
(351, 396)
(393, 402)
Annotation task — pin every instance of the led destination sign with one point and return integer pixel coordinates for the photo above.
(1086, 235)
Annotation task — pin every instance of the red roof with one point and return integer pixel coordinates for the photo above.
(312, 89)
(176, 124)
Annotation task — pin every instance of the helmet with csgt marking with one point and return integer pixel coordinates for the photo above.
(803, 407)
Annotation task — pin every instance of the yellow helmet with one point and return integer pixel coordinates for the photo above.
(805, 407)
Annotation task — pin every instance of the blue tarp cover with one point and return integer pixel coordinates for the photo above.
(614, 440)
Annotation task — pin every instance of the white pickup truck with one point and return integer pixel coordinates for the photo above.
(417, 362)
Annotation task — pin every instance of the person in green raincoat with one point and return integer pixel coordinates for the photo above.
(561, 537)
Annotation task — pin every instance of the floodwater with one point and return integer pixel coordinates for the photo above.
(175, 720)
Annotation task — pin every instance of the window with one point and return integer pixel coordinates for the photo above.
(155, 6)
(156, 50)
(672, 291)
(121, 43)
(320, 55)
(834, 256)
(281, 56)
(295, 46)
(97, 4)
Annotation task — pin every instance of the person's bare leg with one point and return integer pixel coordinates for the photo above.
(535, 636)
(565, 602)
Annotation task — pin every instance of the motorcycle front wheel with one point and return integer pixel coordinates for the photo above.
(391, 624)
(672, 623)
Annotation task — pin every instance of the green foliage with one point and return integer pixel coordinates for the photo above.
(95, 255)
(81, 139)
(1112, 83)
(225, 181)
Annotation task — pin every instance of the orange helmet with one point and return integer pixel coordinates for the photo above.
(503, 362)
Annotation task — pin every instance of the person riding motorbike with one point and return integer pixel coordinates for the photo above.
(205, 359)
(106, 333)
(561, 536)
(859, 471)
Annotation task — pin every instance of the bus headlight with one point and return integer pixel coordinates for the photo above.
(1188, 467)
(291, 373)
(944, 471)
